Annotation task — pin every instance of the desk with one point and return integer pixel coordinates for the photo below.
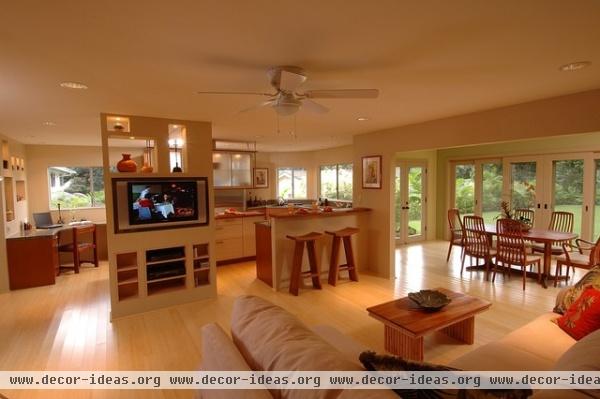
(546, 237)
(33, 258)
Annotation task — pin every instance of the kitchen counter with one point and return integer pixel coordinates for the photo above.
(239, 215)
(274, 251)
(320, 213)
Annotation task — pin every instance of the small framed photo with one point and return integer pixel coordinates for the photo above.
(371, 171)
(261, 178)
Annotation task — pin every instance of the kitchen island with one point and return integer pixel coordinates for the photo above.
(274, 252)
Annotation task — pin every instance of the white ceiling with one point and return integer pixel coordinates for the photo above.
(430, 59)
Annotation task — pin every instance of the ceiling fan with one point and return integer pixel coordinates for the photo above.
(287, 101)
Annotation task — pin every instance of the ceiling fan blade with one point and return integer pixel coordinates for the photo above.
(257, 106)
(312, 106)
(290, 81)
(342, 93)
(236, 93)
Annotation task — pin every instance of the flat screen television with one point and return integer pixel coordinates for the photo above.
(162, 201)
(149, 203)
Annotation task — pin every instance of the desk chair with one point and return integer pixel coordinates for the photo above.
(77, 246)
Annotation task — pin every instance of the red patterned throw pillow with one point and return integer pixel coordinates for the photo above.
(583, 316)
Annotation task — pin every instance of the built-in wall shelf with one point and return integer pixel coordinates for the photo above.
(20, 190)
(152, 268)
(201, 265)
(165, 269)
(127, 275)
(9, 205)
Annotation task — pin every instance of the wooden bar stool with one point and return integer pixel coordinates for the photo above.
(297, 273)
(334, 266)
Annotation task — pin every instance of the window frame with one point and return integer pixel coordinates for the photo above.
(292, 169)
(92, 197)
(337, 181)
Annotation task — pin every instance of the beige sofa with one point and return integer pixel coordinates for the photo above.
(266, 337)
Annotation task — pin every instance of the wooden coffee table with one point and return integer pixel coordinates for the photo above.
(405, 324)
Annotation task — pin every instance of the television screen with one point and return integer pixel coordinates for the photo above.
(162, 201)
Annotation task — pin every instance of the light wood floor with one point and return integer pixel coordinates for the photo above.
(66, 326)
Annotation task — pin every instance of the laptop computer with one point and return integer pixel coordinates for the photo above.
(43, 220)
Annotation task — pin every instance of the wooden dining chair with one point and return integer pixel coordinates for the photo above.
(512, 251)
(77, 246)
(456, 231)
(525, 214)
(560, 221)
(584, 255)
(476, 243)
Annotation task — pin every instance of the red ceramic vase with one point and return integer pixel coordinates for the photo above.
(126, 164)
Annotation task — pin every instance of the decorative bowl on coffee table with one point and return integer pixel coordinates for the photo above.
(429, 300)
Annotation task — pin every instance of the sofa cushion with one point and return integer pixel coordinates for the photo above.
(349, 347)
(583, 316)
(220, 354)
(540, 337)
(583, 356)
(496, 356)
(271, 339)
(569, 296)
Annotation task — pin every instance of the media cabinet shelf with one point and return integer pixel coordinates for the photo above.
(127, 268)
(157, 280)
(160, 262)
(127, 276)
(166, 285)
(201, 265)
(131, 280)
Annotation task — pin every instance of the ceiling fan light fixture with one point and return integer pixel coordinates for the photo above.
(574, 66)
(287, 105)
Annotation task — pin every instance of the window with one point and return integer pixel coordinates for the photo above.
(292, 183)
(336, 181)
(76, 187)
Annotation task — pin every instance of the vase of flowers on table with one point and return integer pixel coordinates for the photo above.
(508, 213)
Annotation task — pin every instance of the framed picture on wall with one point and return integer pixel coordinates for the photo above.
(371, 171)
(261, 178)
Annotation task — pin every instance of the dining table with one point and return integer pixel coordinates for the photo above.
(542, 236)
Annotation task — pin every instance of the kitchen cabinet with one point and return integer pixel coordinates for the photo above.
(235, 237)
(249, 231)
(232, 169)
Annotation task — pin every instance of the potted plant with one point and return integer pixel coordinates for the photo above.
(508, 213)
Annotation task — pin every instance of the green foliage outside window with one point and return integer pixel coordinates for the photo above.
(76, 187)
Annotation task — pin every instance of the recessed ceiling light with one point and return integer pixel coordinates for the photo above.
(73, 85)
(362, 119)
(49, 123)
(131, 138)
(574, 66)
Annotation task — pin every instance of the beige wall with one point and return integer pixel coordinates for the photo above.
(577, 113)
(41, 157)
(310, 160)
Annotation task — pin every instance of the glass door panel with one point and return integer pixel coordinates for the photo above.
(398, 203)
(410, 201)
(523, 185)
(464, 188)
(567, 193)
(415, 200)
(596, 226)
(491, 190)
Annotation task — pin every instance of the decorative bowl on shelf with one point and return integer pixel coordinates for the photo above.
(429, 300)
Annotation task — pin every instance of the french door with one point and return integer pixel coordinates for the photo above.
(556, 182)
(410, 199)
(478, 188)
